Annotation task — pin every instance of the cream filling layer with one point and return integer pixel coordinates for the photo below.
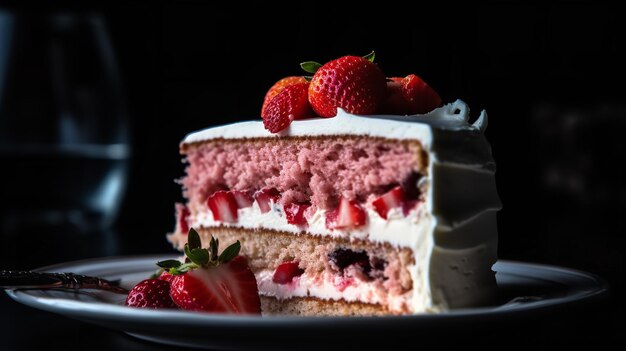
(396, 230)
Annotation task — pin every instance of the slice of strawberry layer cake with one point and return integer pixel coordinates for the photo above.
(351, 215)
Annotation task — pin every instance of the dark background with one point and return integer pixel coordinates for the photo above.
(551, 77)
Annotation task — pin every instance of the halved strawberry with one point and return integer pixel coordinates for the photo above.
(295, 212)
(150, 293)
(223, 205)
(286, 271)
(183, 214)
(265, 198)
(278, 87)
(211, 282)
(348, 215)
(392, 199)
(228, 288)
(243, 198)
(290, 104)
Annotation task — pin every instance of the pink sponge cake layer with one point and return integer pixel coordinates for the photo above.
(302, 169)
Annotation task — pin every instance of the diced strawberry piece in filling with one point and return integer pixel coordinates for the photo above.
(388, 201)
(286, 271)
(295, 213)
(348, 215)
(223, 205)
(265, 197)
(243, 198)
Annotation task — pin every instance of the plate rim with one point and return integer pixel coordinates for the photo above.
(597, 287)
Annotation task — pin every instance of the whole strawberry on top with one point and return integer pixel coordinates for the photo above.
(409, 95)
(353, 83)
(210, 282)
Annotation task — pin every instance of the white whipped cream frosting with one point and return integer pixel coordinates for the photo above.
(453, 235)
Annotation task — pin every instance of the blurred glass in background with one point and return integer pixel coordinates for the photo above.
(64, 144)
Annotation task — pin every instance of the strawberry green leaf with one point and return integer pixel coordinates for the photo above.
(213, 249)
(370, 57)
(198, 256)
(308, 78)
(310, 66)
(230, 252)
(169, 264)
(193, 239)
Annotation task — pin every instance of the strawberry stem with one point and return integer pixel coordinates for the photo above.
(230, 252)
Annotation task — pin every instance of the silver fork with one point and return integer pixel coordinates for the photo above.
(68, 281)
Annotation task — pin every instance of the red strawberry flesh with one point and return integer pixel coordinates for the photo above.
(228, 288)
(183, 218)
(419, 95)
(166, 276)
(286, 271)
(265, 197)
(395, 103)
(243, 198)
(150, 293)
(224, 206)
(295, 213)
(290, 104)
(278, 87)
(348, 215)
(390, 200)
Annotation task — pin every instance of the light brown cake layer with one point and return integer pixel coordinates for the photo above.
(308, 306)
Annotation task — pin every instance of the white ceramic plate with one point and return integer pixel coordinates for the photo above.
(525, 288)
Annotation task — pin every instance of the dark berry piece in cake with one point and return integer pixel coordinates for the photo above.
(342, 258)
(411, 186)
